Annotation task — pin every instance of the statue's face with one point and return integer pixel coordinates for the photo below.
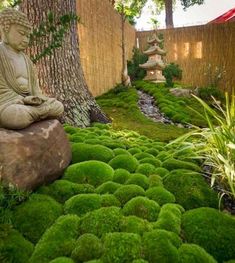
(18, 37)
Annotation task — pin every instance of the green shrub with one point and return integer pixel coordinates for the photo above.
(62, 190)
(146, 169)
(119, 151)
(62, 260)
(142, 207)
(160, 195)
(121, 176)
(134, 150)
(206, 93)
(161, 171)
(124, 161)
(127, 192)
(121, 247)
(87, 247)
(155, 180)
(212, 230)
(91, 172)
(161, 246)
(85, 152)
(13, 246)
(107, 188)
(35, 215)
(155, 162)
(170, 218)
(173, 164)
(190, 189)
(109, 200)
(194, 254)
(101, 221)
(58, 241)
(138, 179)
(82, 204)
(170, 72)
(143, 155)
(134, 224)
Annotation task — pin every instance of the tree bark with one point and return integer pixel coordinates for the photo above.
(61, 74)
(169, 13)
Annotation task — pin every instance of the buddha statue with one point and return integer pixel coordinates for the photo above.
(21, 100)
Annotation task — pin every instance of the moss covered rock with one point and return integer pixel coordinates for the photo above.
(124, 161)
(160, 195)
(190, 189)
(107, 188)
(146, 169)
(212, 230)
(85, 152)
(62, 190)
(121, 176)
(173, 164)
(161, 246)
(82, 204)
(155, 181)
(143, 208)
(191, 253)
(101, 221)
(138, 179)
(62, 260)
(87, 247)
(13, 246)
(127, 192)
(58, 241)
(91, 172)
(121, 247)
(134, 224)
(35, 215)
(155, 162)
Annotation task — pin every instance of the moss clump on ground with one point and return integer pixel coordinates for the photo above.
(155, 162)
(13, 246)
(134, 224)
(82, 204)
(139, 261)
(121, 247)
(87, 247)
(170, 218)
(212, 230)
(190, 189)
(107, 188)
(62, 190)
(173, 164)
(134, 150)
(85, 152)
(124, 161)
(146, 169)
(161, 171)
(160, 195)
(58, 241)
(101, 221)
(121, 176)
(138, 179)
(142, 155)
(161, 246)
(119, 151)
(143, 208)
(109, 200)
(194, 254)
(35, 215)
(155, 181)
(152, 151)
(62, 260)
(91, 172)
(127, 192)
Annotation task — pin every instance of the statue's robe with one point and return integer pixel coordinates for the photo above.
(14, 112)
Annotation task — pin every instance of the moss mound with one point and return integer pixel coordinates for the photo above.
(146, 169)
(160, 195)
(143, 155)
(155, 162)
(194, 254)
(173, 164)
(134, 224)
(155, 181)
(109, 200)
(82, 204)
(139, 261)
(62, 260)
(58, 241)
(121, 247)
(91, 172)
(119, 151)
(127, 192)
(143, 208)
(124, 161)
(182, 182)
(62, 190)
(161, 171)
(152, 151)
(101, 221)
(212, 230)
(84, 152)
(134, 150)
(138, 179)
(121, 176)
(70, 129)
(35, 215)
(107, 188)
(161, 246)
(13, 246)
(87, 247)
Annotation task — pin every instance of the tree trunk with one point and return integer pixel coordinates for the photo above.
(61, 74)
(169, 13)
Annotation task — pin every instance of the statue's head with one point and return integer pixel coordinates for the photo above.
(15, 29)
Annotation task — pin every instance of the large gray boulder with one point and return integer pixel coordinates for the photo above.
(35, 155)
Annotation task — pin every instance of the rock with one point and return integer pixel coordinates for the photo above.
(179, 92)
(35, 155)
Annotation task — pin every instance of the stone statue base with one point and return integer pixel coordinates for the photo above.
(35, 155)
